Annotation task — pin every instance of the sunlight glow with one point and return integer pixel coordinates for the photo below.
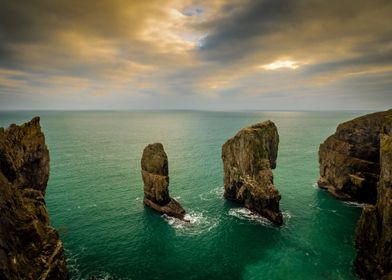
(281, 64)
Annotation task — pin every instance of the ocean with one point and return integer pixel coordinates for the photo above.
(95, 198)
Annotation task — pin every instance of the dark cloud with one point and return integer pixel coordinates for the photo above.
(268, 28)
(196, 53)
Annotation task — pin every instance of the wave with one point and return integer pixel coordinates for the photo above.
(194, 223)
(248, 215)
(355, 204)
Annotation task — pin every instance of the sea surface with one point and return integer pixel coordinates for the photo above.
(95, 198)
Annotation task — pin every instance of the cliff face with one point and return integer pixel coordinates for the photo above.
(248, 160)
(29, 247)
(349, 159)
(356, 164)
(374, 228)
(155, 173)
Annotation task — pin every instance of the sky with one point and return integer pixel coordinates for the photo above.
(207, 54)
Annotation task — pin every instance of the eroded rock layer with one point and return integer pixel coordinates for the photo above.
(155, 174)
(29, 247)
(349, 159)
(248, 160)
(374, 228)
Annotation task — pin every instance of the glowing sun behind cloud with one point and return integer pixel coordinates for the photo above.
(197, 54)
(289, 64)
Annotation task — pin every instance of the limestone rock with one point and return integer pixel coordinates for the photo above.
(374, 228)
(349, 159)
(248, 160)
(155, 174)
(29, 247)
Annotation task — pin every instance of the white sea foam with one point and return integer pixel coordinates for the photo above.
(355, 204)
(286, 216)
(194, 223)
(245, 214)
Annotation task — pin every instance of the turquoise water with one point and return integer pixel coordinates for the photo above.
(95, 193)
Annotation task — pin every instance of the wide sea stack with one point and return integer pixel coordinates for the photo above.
(248, 160)
(29, 247)
(155, 173)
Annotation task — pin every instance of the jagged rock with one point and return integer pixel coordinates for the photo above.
(155, 171)
(374, 228)
(248, 160)
(29, 247)
(349, 159)
(24, 157)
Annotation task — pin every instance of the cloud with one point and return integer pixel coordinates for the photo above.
(187, 54)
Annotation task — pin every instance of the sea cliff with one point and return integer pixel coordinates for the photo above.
(356, 164)
(29, 247)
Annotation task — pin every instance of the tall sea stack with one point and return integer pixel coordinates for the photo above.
(29, 247)
(356, 164)
(248, 160)
(155, 173)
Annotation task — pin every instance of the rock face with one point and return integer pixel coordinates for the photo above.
(349, 159)
(29, 247)
(155, 173)
(248, 160)
(374, 228)
(356, 164)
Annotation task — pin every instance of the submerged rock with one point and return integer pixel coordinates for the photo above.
(349, 159)
(29, 247)
(248, 160)
(155, 173)
(374, 228)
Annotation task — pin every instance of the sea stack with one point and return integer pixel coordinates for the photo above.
(155, 173)
(350, 158)
(29, 247)
(248, 160)
(356, 164)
